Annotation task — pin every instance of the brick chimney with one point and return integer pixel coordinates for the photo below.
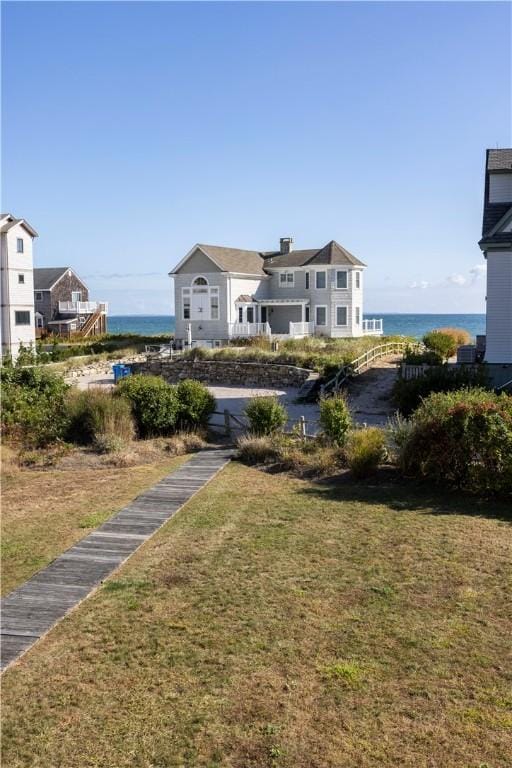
(286, 244)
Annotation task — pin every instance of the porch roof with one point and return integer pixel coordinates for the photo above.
(285, 302)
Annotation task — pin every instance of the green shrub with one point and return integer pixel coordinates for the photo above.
(413, 357)
(155, 404)
(365, 450)
(196, 404)
(33, 405)
(407, 395)
(335, 419)
(266, 415)
(462, 439)
(96, 417)
(443, 344)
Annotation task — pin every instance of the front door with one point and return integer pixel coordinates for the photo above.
(199, 309)
(263, 314)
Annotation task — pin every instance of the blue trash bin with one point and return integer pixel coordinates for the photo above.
(120, 371)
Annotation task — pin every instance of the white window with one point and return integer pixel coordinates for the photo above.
(186, 303)
(307, 281)
(341, 278)
(214, 304)
(341, 315)
(19, 245)
(286, 279)
(76, 296)
(321, 280)
(200, 281)
(39, 296)
(39, 321)
(358, 279)
(22, 318)
(21, 278)
(358, 315)
(321, 313)
(240, 314)
(217, 343)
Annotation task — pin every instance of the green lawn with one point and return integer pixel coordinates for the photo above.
(275, 622)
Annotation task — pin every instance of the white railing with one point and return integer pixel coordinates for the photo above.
(372, 327)
(81, 307)
(249, 329)
(299, 330)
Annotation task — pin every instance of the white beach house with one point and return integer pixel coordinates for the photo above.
(17, 284)
(224, 293)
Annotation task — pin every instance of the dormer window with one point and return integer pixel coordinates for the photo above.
(200, 281)
(286, 279)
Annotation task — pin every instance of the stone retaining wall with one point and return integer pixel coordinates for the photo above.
(229, 373)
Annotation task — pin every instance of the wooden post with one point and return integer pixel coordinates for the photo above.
(302, 423)
(227, 422)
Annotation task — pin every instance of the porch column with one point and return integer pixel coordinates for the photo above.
(302, 313)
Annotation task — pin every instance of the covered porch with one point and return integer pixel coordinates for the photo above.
(273, 317)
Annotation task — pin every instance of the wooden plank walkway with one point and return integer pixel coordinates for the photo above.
(32, 609)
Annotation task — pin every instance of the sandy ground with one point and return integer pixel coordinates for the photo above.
(369, 397)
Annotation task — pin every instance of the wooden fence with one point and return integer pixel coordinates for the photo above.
(233, 424)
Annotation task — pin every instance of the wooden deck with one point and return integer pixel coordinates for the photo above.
(32, 609)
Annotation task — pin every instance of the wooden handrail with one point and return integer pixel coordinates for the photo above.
(356, 366)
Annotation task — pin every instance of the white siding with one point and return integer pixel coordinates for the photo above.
(499, 307)
(16, 296)
(500, 187)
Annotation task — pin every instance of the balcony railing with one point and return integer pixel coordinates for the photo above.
(372, 327)
(249, 329)
(82, 307)
(299, 330)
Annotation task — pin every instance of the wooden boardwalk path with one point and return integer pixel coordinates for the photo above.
(32, 609)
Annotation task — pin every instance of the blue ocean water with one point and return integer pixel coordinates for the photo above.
(405, 325)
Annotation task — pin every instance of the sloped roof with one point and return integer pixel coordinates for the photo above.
(244, 298)
(496, 160)
(11, 221)
(499, 159)
(331, 254)
(46, 277)
(235, 259)
(256, 262)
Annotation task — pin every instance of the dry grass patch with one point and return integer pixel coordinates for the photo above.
(44, 511)
(279, 623)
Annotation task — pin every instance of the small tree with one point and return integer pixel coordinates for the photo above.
(335, 419)
(266, 415)
(443, 344)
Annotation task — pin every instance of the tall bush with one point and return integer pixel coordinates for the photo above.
(33, 405)
(335, 419)
(442, 344)
(196, 404)
(266, 415)
(462, 439)
(95, 417)
(365, 450)
(459, 335)
(408, 394)
(154, 402)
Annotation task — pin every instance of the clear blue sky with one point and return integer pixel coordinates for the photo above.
(133, 130)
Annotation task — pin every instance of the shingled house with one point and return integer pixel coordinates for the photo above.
(496, 243)
(62, 305)
(222, 293)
